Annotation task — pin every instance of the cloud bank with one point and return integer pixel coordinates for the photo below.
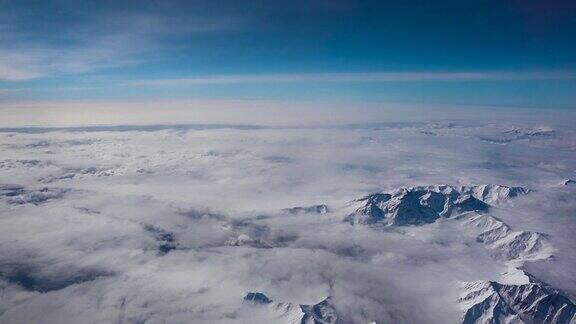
(178, 224)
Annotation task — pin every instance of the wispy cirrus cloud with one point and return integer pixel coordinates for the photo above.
(357, 77)
(38, 42)
(10, 73)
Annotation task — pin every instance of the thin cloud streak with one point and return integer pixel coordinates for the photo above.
(11, 73)
(103, 39)
(357, 77)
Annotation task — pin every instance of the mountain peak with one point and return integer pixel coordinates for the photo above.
(323, 312)
(532, 302)
(425, 204)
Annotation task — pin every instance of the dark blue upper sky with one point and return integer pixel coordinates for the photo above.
(507, 52)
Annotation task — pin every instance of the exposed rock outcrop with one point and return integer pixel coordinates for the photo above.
(425, 204)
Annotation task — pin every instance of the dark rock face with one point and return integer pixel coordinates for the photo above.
(466, 203)
(257, 298)
(425, 204)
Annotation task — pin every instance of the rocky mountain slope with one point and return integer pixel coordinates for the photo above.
(507, 244)
(483, 301)
(531, 302)
(323, 312)
(425, 204)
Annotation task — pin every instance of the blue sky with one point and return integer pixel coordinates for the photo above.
(518, 53)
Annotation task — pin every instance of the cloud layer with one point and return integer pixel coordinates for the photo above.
(179, 224)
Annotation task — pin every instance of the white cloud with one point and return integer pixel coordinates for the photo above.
(8, 73)
(95, 253)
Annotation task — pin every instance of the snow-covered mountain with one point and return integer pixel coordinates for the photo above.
(507, 244)
(484, 301)
(530, 302)
(322, 312)
(425, 204)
